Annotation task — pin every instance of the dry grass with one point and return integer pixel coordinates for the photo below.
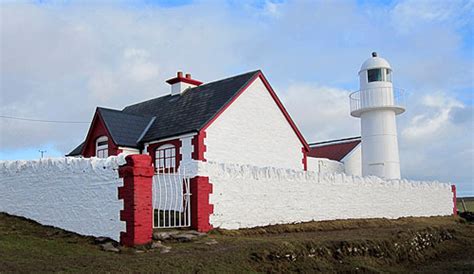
(335, 225)
(370, 245)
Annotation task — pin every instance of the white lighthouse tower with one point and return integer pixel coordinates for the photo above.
(377, 103)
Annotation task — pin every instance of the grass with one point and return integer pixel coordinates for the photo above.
(468, 202)
(381, 244)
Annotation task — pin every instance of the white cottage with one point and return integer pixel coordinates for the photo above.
(235, 120)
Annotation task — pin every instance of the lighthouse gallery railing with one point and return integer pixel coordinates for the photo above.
(372, 100)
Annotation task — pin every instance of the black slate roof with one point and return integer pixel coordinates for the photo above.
(126, 129)
(191, 110)
(77, 151)
(168, 115)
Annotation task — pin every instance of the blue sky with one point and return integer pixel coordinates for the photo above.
(61, 59)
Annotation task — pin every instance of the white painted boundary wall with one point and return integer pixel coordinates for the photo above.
(324, 166)
(75, 194)
(247, 196)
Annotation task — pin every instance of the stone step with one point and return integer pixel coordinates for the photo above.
(177, 235)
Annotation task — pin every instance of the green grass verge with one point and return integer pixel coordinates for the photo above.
(26, 246)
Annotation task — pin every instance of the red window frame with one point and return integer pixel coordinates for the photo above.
(166, 160)
(152, 148)
(102, 147)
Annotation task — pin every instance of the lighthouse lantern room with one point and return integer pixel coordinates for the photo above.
(376, 104)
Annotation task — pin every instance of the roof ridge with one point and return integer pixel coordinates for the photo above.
(192, 110)
(125, 113)
(235, 76)
(201, 86)
(337, 141)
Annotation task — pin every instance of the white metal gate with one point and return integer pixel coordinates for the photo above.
(171, 200)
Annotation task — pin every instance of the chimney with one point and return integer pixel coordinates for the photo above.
(180, 83)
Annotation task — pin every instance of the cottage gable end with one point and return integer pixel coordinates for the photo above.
(255, 129)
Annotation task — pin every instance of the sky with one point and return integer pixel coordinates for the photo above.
(59, 60)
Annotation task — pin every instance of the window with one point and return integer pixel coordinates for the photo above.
(165, 158)
(374, 75)
(102, 147)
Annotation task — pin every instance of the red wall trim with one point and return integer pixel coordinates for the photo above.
(199, 147)
(275, 98)
(96, 130)
(136, 193)
(177, 144)
(201, 209)
(285, 113)
(305, 158)
(455, 208)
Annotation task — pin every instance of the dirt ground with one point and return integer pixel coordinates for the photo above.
(427, 245)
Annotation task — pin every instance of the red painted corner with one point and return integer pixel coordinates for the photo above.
(455, 209)
(201, 209)
(136, 193)
(199, 147)
(305, 158)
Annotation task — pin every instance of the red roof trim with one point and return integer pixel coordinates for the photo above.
(96, 116)
(183, 79)
(282, 108)
(275, 98)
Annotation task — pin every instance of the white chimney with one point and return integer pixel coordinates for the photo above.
(179, 84)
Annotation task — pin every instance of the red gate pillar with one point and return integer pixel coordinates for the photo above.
(136, 193)
(201, 209)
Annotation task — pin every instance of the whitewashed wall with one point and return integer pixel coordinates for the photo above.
(253, 130)
(187, 149)
(75, 194)
(247, 196)
(323, 165)
(353, 162)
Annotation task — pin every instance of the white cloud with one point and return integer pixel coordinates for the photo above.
(272, 9)
(434, 120)
(415, 14)
(321, 112)
(437, 141)
(133, 53)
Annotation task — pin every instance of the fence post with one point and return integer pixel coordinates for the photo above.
(201, 209)
(136, 193)
(455, 208)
